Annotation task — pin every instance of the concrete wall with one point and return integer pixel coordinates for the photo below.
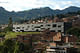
(55, 27)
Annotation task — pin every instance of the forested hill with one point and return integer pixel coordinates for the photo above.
(33, 13)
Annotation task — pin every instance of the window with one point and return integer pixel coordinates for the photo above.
(42, 28)
(37, 30)
(13, 27)
(28, 26)
(54, 25)
(22, 27)
(18, 28)
(59, 30)
(48, 28)
(59, 26)
(32, 25)
(25, 38)
(48, 25)
(37, 27)
(52, 30)
(32, 28)
(22, 30)
(47, 32)
(41, 25)
(59, 37)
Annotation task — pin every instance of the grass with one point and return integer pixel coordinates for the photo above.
(14, 34)
(2, 34)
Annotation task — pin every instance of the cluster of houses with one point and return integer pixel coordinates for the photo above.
(52, 38)
(49, 42)
(56, 19)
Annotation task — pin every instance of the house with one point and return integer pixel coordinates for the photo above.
(54, 46)
(57, 37)
(28, 38)
(61, 43)
(70, 39)
(2, 38)
(66, 19)
(49, 42)
(56, 19)
(24, 38)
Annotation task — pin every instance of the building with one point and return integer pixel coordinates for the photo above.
(62, 44)
(49, 42)
(2, 38)
(55, 27)
(56, 19)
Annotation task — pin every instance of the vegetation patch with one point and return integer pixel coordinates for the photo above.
(14, 34)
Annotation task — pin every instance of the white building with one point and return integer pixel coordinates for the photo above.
(55, 27)
(56, 50)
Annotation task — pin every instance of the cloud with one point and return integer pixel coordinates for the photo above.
(19, 5)
(78, 0)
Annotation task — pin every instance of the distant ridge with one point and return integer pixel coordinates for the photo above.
(33, 13)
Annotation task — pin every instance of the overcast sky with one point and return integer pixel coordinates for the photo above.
(20, 5)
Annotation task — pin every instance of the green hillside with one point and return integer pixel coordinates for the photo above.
(14, 34)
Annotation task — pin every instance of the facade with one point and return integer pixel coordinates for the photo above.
(55, 27)
(1, 39)
(49, 42)
(56, 50)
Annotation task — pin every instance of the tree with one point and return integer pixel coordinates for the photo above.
(1, 48)
(74, 31)
(78, 12)
(9, 45)
(10, 24)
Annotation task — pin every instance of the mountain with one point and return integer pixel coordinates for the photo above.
(33, 13)
(3, 15)
(71, 9)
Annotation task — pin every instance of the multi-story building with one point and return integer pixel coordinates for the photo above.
(55, 27)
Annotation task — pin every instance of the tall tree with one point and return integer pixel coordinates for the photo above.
(9, 45)
(74, 31)
(10, 24)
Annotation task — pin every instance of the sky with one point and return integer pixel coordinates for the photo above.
(20, 5)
